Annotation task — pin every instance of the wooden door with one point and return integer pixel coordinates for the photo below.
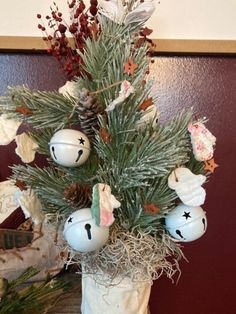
(208, 282)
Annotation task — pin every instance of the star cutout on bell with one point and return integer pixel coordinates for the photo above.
(70, 219)
(81, 141)
(210, 165)
(186, 215)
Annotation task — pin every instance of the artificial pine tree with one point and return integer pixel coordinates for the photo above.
(19, 297)
(128, 175)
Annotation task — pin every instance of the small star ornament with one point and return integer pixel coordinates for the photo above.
(21, 185)
(146, 104)
(104, 135)
(151, 209)
(210, 165)
(130, 67)
(69, 148)
(24, 110)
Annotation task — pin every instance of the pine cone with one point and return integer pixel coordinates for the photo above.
(78, 196)
(88, 110)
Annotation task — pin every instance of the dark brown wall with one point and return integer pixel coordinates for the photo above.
(208, 281)
(38, 71)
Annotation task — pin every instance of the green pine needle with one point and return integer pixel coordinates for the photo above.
(48, 109)
(136, 162)
(23, 298)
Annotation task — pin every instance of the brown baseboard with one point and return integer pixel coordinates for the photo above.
(9, 43)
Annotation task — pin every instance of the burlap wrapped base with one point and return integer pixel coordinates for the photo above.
(125, 297)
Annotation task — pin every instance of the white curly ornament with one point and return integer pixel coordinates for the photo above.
(8, 129)
(187, 186)
(26, 147)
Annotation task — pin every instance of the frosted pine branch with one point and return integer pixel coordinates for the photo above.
(46, 109)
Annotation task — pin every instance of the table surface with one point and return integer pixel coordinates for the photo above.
(70, 302)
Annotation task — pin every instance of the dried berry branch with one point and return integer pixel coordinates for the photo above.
(64, 40)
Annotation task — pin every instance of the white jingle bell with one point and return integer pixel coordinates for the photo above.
(81, 232)
(69, 148)
(186, 223)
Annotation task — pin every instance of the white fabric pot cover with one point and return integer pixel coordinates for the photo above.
(127, 297)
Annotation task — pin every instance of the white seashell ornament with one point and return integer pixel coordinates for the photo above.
(7, 202)
(26, 147)
(31, 206)
(103, 205)
(202, 141)
(187, 186)
(8, 129)
(70, 89)
(113, 9)
(125, 90)
(150, 115)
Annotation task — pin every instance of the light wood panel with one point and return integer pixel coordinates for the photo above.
(9, 43)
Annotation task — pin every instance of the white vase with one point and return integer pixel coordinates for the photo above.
(126, 297)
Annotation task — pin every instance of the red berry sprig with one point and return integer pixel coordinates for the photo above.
(57, 34)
